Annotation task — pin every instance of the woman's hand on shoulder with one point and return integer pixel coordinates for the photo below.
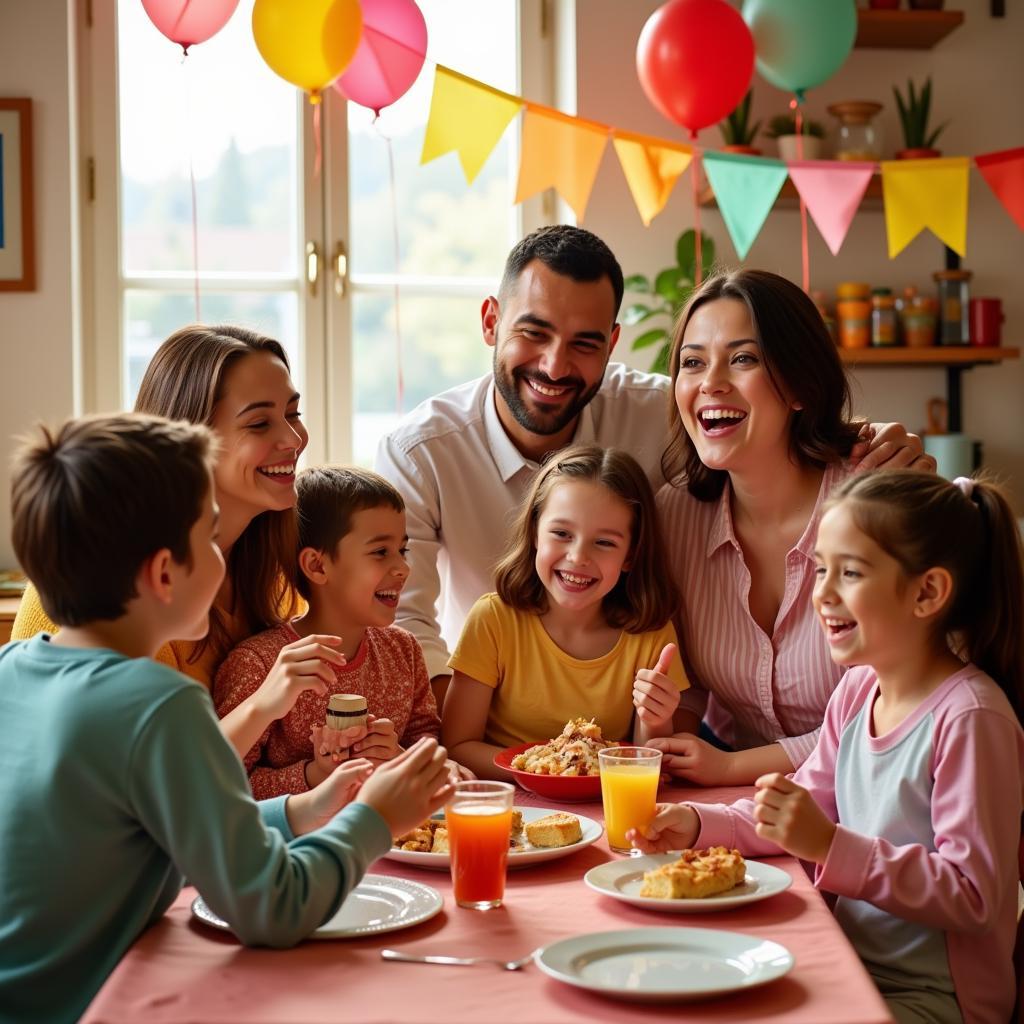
(673, 827)
(304, 664)
(889, 446)
(685, 756)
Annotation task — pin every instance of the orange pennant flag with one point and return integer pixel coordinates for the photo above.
(560, 152)
(652, 167)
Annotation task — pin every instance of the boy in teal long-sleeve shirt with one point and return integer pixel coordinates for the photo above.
(114, 777)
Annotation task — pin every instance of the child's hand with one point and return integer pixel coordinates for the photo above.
(458, 772)
(305, 664)
(787, 814)
(655, 696)
(330, 748)
(312, 810)
(410, 787)
(685, 756)
(380, 742)
(674, 827)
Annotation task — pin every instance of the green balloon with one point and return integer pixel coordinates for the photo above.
(800, 43)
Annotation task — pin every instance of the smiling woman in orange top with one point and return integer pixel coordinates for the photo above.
(238, 383)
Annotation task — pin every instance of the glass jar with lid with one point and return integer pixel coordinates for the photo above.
(883, 318)
(860, 138)
(954, 293)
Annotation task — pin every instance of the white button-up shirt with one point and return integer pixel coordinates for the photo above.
(463, 480)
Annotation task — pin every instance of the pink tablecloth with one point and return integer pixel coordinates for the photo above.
(182, 971)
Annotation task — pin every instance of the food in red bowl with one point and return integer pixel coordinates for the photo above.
(569, 788)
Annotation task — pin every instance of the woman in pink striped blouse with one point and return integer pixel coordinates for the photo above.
(763, 434)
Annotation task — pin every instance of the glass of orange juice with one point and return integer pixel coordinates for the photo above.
(629, 790)
(479, 818)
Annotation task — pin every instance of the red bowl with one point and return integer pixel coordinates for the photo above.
(569, 788)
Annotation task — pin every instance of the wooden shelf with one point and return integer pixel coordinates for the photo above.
(937, 355)
(904, 30)
(789, 198)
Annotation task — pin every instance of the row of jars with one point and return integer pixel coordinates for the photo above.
(866, 316)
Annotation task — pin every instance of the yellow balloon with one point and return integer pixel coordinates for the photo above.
(307, 42)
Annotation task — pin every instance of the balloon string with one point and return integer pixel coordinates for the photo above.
(394, 236)
(192, 188)
(805, 260)
(695, 181)
(317, 106)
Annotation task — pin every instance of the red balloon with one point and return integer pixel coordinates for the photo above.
(187, 22)
(695, 59)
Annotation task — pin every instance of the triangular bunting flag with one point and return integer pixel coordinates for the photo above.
(745, 187)
(559, 152)
(1004, 172)
(467, 116)
(925, 194)
(832, 190)
(652, 168)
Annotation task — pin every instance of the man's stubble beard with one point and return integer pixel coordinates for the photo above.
(507, 385)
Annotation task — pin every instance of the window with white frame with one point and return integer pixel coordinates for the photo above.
(265, 221)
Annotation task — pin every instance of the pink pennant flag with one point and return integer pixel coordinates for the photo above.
(832, 190)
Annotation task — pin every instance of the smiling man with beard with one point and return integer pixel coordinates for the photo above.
(464, 459)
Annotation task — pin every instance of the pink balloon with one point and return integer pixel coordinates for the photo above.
(187, 22)
(390, 54)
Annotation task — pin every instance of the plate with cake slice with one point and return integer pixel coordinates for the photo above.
(538, 834)
(688, 882)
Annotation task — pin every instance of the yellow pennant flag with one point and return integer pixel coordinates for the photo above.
(652, 167)
(560, 152)
(926, 194)
(467, 116)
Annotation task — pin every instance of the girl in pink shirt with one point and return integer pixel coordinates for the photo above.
(910, 804)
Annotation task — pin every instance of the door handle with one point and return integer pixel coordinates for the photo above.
(312, 267)
(340, 263)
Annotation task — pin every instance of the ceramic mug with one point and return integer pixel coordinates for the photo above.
(953, 454)
(986, 317)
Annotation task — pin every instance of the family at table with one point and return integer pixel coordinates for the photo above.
(720, 565)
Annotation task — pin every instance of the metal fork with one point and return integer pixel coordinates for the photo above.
(455, 961)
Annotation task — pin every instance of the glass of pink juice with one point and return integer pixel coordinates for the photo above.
(479, 819)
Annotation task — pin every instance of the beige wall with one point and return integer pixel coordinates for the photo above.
(978, 82)
(37, 328)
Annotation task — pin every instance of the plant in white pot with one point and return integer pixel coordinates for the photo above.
(782, 128)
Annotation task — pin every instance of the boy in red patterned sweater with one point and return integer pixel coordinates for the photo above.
(352, 568)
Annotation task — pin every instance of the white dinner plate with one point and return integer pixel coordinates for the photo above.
(592, 831)
(622, 879)
(660, 965)
(379, 903)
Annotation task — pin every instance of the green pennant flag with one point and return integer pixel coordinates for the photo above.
(745, 187)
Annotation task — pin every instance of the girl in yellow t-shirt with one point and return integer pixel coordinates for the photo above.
(580, 624)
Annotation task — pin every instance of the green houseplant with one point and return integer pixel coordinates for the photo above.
(736, 129)
(782, 128)
(668, 292)
(915, 110)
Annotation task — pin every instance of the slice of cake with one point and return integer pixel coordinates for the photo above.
(552, 830)
(697, 873)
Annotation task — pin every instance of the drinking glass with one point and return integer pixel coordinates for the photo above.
(629, 790)
(479, 818)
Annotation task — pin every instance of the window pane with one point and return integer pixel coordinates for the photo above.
(445, 226)
(150, 316)
(441, 347)
(240, 121)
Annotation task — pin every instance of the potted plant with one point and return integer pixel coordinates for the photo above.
(668, 293)
(737, 130)
(915, 109)
(782, 128)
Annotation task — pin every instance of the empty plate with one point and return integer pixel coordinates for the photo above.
(622, 880)
(657, 965)
(379, 903)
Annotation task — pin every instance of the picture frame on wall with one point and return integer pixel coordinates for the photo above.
(17, 234)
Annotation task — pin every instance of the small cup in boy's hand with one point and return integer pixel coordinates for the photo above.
(673, 827)
(410, 787)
